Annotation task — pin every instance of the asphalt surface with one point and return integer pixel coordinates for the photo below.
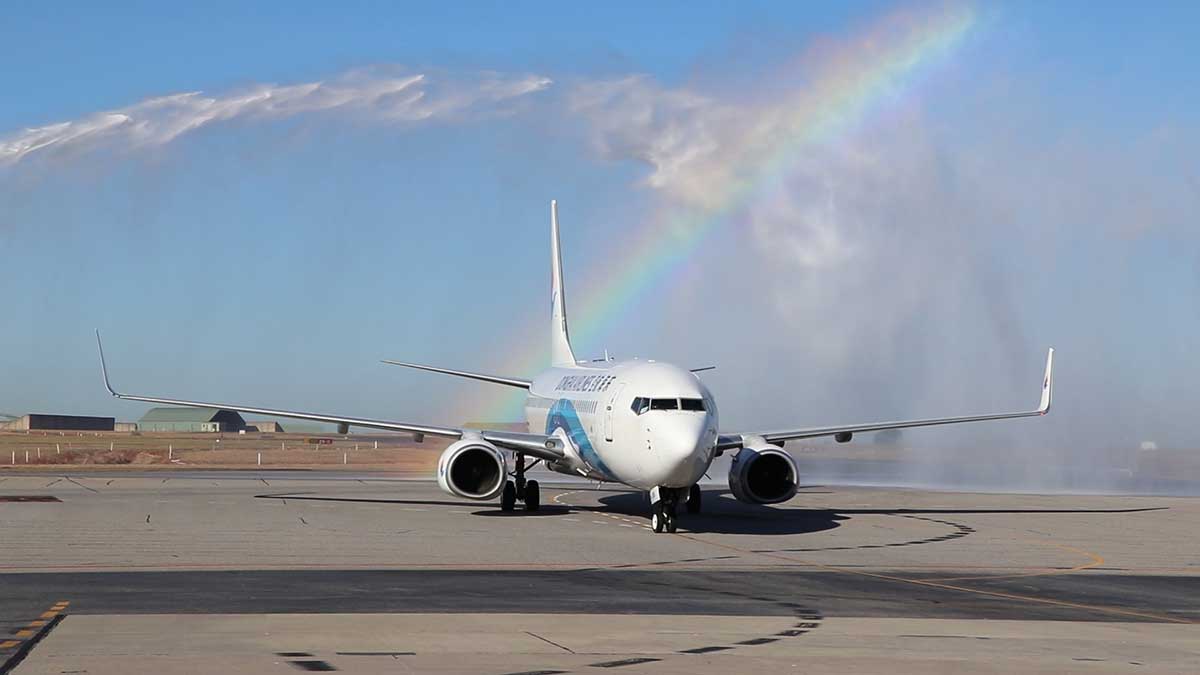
(1105, 597)
(86, 558)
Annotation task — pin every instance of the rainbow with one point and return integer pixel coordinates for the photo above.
(844, 82)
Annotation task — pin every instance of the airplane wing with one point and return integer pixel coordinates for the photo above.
(844, 432)
(536, 445)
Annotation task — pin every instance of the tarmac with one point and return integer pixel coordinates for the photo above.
(197, 572)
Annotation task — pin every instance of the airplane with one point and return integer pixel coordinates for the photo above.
(645, 424)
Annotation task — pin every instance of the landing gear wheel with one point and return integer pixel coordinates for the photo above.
(508, 498)
(656, 521)
(533, 499)
(670, 524)
(693, 502)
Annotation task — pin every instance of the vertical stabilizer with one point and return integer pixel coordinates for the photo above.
(560, 340)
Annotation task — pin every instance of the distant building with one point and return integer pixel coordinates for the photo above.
(127, 427)
(264, 427)
(188, 420)
(36, 422)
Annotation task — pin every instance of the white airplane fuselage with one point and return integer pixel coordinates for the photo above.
(645, 424)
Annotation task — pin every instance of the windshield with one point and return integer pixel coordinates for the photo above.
(644, 404)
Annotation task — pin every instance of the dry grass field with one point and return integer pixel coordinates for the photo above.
(1175, 471)
(37, 449)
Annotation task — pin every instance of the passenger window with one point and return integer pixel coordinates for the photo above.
(693, 404)
(640, 405)
(664, 404)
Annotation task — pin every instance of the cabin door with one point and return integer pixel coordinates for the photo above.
(608, 413)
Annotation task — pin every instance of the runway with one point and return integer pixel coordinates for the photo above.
(231, 572)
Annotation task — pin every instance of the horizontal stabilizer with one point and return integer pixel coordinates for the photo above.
(495, 379)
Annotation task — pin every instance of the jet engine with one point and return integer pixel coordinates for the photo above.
(763, 474)
(473, 469)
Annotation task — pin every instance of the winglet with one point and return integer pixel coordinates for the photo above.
(104, 366)
(1047, 383)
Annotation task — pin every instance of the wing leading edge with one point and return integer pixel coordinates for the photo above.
(736, 440)
(535, 445)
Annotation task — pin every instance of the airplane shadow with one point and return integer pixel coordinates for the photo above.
(365, 500)
(724, 515)
(545, 510)
(721, 513)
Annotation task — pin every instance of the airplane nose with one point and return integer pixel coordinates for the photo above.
(678, 446)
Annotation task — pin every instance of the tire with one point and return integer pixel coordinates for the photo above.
(671, 525)
(693, 502)
(656, 521)
(508, 497)
(533, 497)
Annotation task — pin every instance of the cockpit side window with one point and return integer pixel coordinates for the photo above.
(693, 404)
(640, 405)
(664, 404)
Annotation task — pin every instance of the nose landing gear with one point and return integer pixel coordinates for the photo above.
(523, 490)
(663, 518)
(665, 501)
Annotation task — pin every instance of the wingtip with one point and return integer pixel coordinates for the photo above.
(103, 365)
(1047, 383)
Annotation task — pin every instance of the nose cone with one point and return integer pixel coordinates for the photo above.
(681, 447)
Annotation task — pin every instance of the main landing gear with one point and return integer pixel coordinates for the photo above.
(521, 490)
(693, 502)
(665, 501)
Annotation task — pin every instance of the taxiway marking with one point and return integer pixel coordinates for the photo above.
(31, 631)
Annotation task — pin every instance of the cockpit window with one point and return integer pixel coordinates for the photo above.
(643, 404)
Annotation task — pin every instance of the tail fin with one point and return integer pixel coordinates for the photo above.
(560, 340)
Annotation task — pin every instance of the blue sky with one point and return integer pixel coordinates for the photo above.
(273, 258)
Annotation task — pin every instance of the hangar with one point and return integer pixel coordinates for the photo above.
(37, 422)
(191, 420)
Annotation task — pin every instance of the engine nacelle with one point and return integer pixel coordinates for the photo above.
(763, 474)
(472, 469)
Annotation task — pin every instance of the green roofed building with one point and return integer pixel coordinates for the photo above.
(191, 420)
